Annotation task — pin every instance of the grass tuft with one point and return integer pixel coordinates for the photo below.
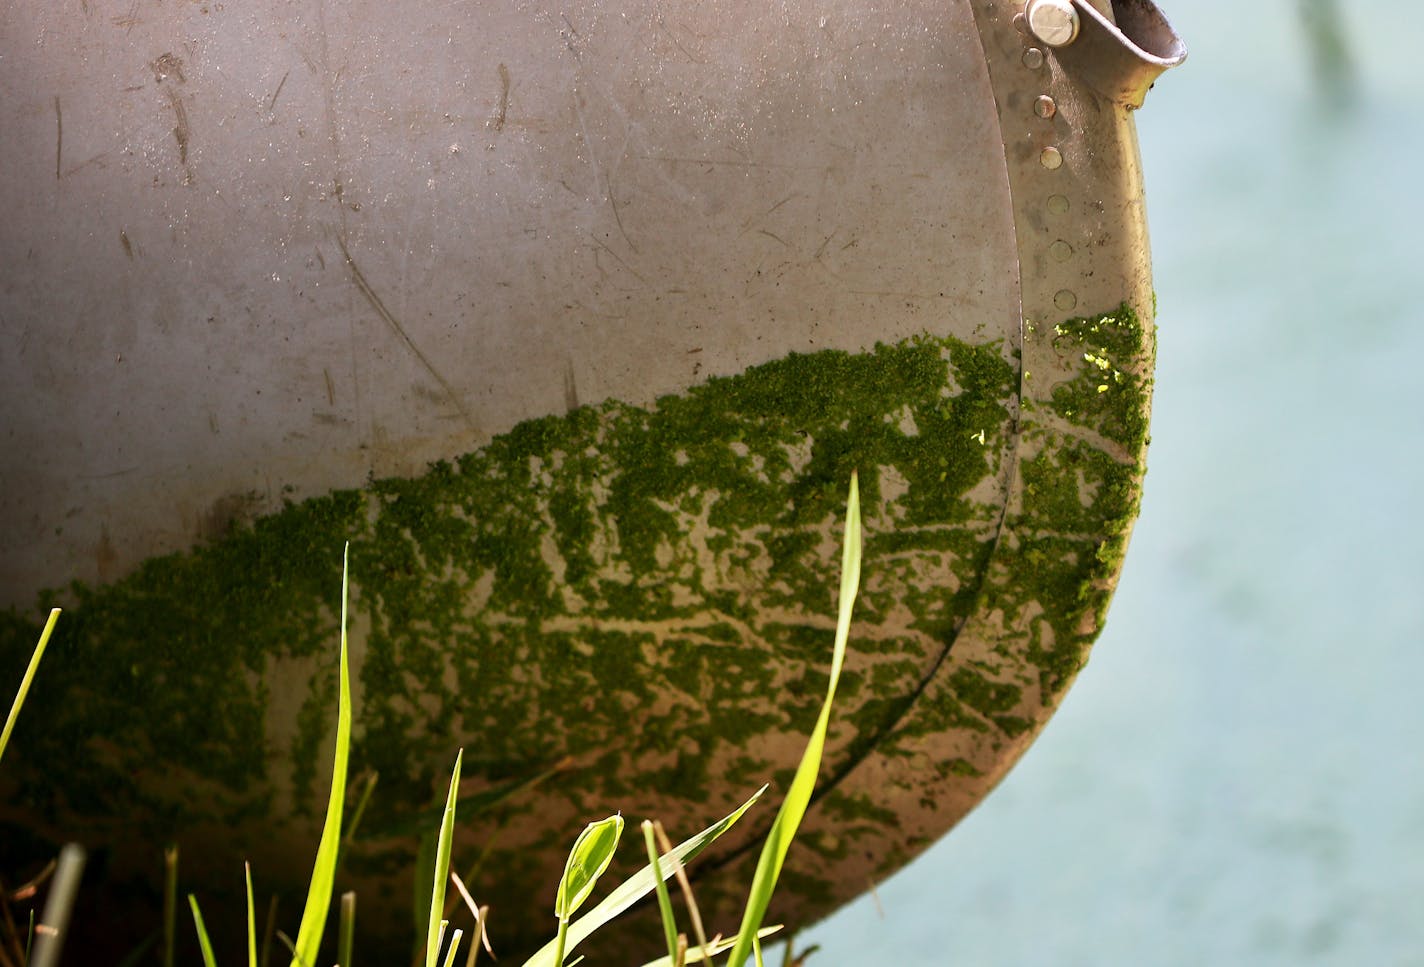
(639, 885)
(588, 860)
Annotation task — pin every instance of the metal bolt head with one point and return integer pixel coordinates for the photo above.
(1054, 22)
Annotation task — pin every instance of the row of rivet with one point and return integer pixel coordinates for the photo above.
(1051, 158)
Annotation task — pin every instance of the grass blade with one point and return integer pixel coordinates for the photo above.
(454, 947)
(170, 902)
(204, 943)
(639, 885)
(693, 913)
(269, 932)
(440, 935)
(308, 943)
(798, 796)
(714, 948)
(482, 921)
(26, 680)
(478, 912)
(420, 900)
(287, 942)
(367, 787)
(664, 902)
(442, 867)
(346, 934)
(251, 919)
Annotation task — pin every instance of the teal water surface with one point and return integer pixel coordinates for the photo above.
(1236, 778)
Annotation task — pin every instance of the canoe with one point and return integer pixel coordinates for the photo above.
(574, 323)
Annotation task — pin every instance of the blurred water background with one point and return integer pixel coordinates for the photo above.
(1236, 777)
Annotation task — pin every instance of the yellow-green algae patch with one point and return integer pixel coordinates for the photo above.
(1082, 489)
(1046, 586)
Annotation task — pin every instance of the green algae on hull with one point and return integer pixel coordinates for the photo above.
(1083, 487)
(649, 556)
(1047, 584)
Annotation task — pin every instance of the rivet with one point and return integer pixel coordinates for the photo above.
(1033, 58)
(1054, 22)
(1021, 23)
(1058, 204)
(1061, 251)
(1045, 107)
(1051, 158)
(1065, 300)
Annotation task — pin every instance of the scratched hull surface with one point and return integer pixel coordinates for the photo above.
(298, 243)
(574, 324)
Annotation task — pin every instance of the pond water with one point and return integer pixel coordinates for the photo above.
(1236, 778)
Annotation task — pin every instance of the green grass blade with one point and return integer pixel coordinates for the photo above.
(442, 867)
(798, 796)
(714, 948)
(454, 947)
(269, 933)
(693, 912)
(346, 934)
(664, 901)
(170, 902)
(420, 900)
(26, 680)
(561, 943)
(440, 934)
(287, 942)
(251, 919)
(367, 788)
(204, 943)
(639, 885)
(308, 943)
